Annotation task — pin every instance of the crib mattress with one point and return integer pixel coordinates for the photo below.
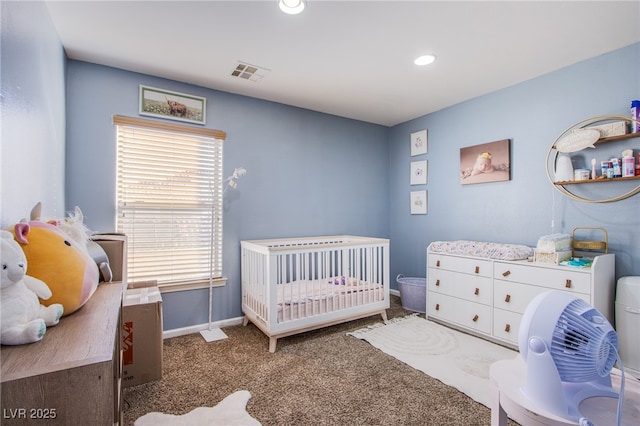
(303, 299)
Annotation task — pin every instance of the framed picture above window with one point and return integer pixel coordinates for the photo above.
(172, 105)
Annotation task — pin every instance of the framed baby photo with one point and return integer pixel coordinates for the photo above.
(487, 162)
(419, 143)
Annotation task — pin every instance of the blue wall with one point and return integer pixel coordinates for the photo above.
(307, 173)
(532, 114)
(310, 173)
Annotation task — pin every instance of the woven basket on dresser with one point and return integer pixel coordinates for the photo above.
(551, 256)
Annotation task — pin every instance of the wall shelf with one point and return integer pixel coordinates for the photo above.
(561, 186)
(618, 138)
(599, 180)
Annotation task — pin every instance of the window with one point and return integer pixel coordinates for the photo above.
(169, 202)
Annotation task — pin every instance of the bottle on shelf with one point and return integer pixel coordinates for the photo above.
(635, 115)
(628, 163)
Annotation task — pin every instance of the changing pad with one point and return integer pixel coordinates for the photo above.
(483, 249)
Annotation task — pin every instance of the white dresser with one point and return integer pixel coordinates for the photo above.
(488, 297)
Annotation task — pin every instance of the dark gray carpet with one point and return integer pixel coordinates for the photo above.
(322, 377)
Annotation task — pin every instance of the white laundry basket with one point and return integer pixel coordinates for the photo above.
(413, 293)
(627, 320)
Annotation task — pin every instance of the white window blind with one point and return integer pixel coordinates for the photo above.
(169, 201)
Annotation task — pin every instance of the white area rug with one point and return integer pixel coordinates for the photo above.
(231, 411)
(454, 358)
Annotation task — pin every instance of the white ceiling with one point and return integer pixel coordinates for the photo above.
(348, 58)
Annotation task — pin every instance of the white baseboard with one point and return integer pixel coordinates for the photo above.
(199, 327)
(631, 372)
(218, 324)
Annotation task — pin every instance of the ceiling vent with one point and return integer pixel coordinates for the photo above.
(249, 72)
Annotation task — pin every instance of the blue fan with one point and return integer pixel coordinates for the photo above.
(569, 349)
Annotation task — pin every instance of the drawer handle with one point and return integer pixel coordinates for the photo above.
(567, 284)
(437, 306)
(507, 328)
(477, 292)
(475, 318)
(507, 298)
(437, 263)
(477, 269)
(437, 283)
(506, 273)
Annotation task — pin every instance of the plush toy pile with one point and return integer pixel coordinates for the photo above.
(23, 318)
(65, 268)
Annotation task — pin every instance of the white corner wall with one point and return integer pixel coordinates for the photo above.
(32, 152)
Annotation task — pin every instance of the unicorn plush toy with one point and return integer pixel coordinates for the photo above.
(73, 226)
(58, 260)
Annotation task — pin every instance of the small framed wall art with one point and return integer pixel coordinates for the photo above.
(419, 172)
(172, 105)
(418, 202)
(419, 143)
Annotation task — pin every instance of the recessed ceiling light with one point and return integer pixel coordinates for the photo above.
(292, 7)
(425, 59)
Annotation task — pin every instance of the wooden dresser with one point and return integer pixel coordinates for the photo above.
(488, 297)
(73, 375)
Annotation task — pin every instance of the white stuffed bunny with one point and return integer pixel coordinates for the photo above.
(23, 318)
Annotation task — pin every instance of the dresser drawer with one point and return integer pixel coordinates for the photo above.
(466, 265)
(468, 287)
(553, 278)
(466, 314)
(506, 326)
(515, 297)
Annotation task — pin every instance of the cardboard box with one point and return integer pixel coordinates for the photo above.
(141, 336)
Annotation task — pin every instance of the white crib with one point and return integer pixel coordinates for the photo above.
(294, 285)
